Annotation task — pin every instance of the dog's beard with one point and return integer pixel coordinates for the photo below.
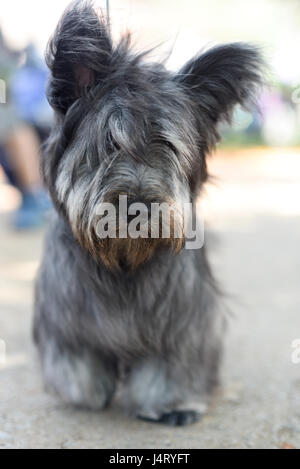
(130, 253)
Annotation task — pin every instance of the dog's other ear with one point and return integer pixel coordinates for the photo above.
(222, 77)
(77, 55)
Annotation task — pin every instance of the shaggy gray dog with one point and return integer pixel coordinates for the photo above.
(136, 311)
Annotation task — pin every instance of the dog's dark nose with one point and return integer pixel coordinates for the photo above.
(137, 200)
(131, 217)
(144, 208)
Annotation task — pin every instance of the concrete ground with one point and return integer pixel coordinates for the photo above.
(254, 208)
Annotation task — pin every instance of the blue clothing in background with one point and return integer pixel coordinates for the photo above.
(28, 91)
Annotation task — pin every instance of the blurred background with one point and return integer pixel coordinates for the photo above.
(253, 206)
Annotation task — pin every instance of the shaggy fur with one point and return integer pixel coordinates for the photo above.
(141, 311)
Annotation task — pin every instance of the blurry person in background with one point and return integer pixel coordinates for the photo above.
(25, 120)
(8, 63)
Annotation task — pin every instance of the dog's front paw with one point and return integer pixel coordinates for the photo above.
(176, 418)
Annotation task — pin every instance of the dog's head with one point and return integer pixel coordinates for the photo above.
(127, 127)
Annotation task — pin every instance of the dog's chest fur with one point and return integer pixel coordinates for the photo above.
(131, 312)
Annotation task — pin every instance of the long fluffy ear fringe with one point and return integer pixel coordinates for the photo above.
(222, 77)
(78, 54)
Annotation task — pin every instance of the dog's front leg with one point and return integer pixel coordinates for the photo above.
(81, 378)
(153, 393)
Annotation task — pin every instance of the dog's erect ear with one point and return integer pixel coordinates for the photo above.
(222, 77)
(78, 54)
